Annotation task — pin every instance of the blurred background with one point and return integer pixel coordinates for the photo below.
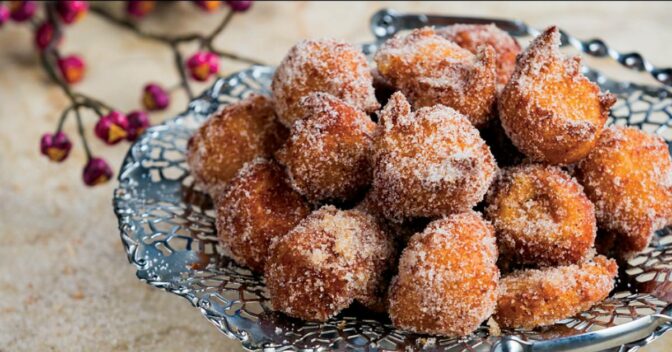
(65, 283)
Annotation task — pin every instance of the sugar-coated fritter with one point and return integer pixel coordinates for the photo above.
(428, 163)
(328, 66)
(257, 206)
(327, 153)
(330, 259)
(628, 176)
(473, 36)
(541, 216)
(227, 140)
(551, 112)
(538, 297)
(448, 278)
(430, 70)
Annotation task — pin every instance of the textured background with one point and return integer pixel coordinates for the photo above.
(65, 283)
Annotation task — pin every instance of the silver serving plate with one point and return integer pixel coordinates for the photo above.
(168, 231)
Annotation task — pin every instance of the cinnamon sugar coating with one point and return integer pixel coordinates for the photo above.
(257, 207)
(531, 298)
(328, 66)
(551, 112)
(330, 259)
(239, 133)
(541, 216)
(428, 163)
(430, 70)
(628, 176)
(448, 278)
(327, 153)
(473, 36)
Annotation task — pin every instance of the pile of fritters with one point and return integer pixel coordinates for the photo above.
(337, 197)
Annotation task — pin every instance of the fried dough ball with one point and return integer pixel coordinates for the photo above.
(541, 216)
(448, 277)
(327, 153)
(428, 163)
(430, 70)
(472, 36)
(531, 298)
(257, 206)
(628, 176)
(330, 259)
(329, 66)
(551, 112)
(227, 140)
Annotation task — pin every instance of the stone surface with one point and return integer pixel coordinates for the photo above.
(64, 281)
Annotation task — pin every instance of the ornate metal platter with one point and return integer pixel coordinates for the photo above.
(167, 228)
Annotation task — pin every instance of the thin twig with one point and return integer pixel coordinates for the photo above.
(179, 62)
(64, 116)
(235, 57)
(207, 42)
(132, 26)
(50, 56)
(80, 131)
(93, 101)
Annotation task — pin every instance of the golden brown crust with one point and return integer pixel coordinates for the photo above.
(531, 298)
(448, 278)
(628, 176)
(473, 36)
(551, 112)
(330, 259)
(430, 70)
(541, 215)
(327, 153)
(257, 207)
(328, 66)
(239, 133)
(428, 163)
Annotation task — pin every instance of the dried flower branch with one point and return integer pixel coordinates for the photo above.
(114, 126)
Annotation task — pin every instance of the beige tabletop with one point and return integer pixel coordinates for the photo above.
(65, 283)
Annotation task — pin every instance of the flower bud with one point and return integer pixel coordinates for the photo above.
(202, 65)
(155, 97)
(140, 8)
(239, 5)
(71, 11)
(44, 35)
(55, 146)
(96, 172)
(208, 5)
(22, 10)
(138, 121)
(4, 14)
(112, 127)
(72, 68)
